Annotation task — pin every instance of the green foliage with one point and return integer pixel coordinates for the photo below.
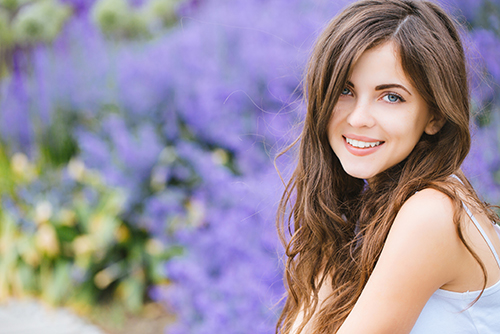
(58, 143)
(73, 249)
(160, 13)
(117, 19)
(6, 37)
(25, 23)
(13, 5)
(489, 17)
(112, 15)
(40, 21)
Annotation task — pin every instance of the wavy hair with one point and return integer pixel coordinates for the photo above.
(333, 225)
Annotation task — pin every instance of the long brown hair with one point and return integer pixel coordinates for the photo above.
(337, 224)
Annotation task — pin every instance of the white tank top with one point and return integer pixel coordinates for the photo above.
(448, 312)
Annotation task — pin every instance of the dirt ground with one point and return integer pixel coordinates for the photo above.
(153, 320)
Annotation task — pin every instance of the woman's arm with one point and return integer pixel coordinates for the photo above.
(422, 253)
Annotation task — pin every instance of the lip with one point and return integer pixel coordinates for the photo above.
(361, 151)
(362, 138)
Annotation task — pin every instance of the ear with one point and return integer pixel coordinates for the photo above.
(434, 124)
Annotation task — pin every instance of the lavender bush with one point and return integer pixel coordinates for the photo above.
(183, 117)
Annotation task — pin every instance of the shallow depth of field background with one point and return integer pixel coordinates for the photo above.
(137, 140)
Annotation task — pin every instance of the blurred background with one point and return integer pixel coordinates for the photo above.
(137, 140)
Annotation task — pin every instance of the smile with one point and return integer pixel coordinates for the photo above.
(362, 144)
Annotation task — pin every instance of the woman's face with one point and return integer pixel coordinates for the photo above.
(379, 117)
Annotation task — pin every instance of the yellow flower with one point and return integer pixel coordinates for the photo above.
(43, 212)
(122, 233)
(76, 169)
(67, 217)
(46, 240)
(83, 244)
(154, 247)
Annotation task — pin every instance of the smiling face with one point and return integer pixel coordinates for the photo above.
(379, 117)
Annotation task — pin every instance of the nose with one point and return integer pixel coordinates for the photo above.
(361, 116)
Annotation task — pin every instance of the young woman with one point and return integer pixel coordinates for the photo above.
(387, 234)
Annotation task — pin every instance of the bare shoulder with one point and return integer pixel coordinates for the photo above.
(425, 232)
(429, 211)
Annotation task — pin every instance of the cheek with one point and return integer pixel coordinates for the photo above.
(408, 131)
(332, 124)
(333, 131)
(403, 123)
(335, 121)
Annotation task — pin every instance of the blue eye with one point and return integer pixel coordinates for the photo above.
(346, 91)
(393, 98)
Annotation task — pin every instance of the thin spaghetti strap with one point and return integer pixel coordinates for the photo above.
(480, 229)
(483, 233)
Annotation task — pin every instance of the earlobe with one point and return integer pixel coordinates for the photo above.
(434, 125)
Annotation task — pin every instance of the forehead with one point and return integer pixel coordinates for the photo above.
(379, 65)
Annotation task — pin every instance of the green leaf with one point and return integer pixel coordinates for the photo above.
(40, 21)
(132, 290)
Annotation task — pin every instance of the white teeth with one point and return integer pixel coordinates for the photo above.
(362, 144)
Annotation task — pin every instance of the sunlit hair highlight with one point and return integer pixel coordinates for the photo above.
(333, 225)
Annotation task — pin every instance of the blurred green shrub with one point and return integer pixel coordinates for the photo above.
(40, 21)
(61, 238)
(117, 18)
(30, 21)
(25, 23)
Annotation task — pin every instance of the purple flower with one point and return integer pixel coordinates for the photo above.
(466, 8)
(488, 45)
(15, 108)
(483, 162)
(188, 123)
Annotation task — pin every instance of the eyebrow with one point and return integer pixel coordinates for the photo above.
(385, 86)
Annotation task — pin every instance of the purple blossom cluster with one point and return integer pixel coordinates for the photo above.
(483, 162)
(468, 9)
(187, 124)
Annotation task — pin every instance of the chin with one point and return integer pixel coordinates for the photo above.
(360, 174)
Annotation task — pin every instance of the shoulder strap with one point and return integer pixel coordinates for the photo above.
(479, 228)
(483, 233)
